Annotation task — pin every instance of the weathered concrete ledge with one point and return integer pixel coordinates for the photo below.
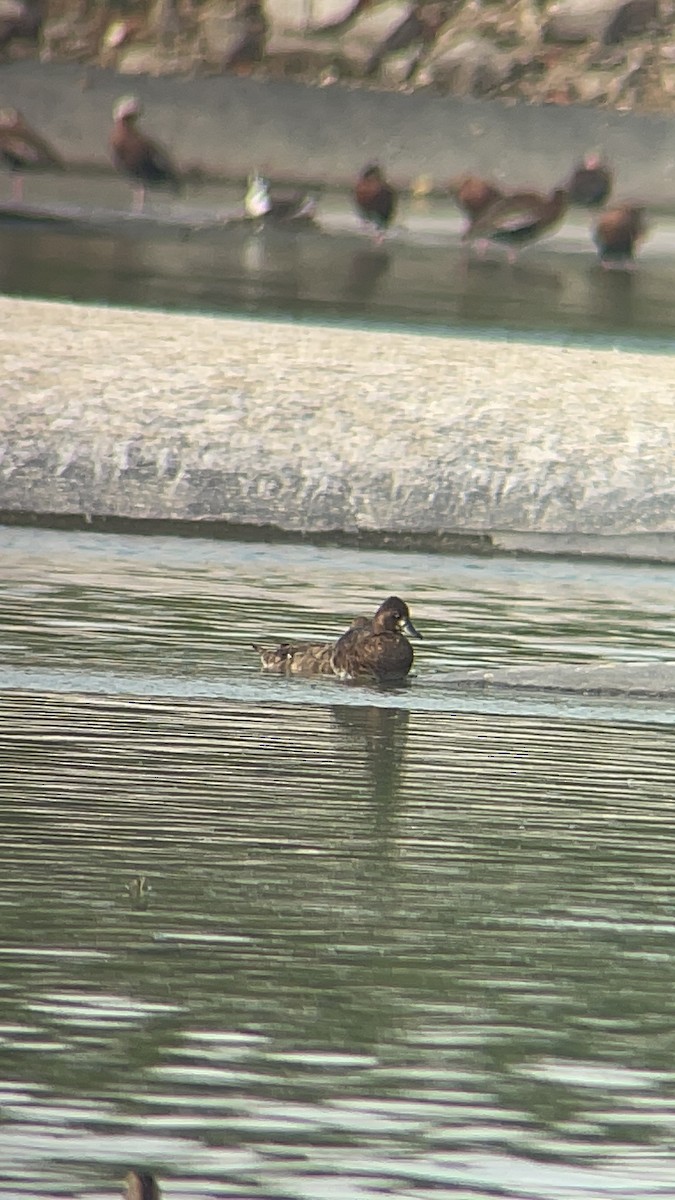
(315, 428)
(228, 125)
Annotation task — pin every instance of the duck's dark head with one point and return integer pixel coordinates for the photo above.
(394, 615)
(372, 171)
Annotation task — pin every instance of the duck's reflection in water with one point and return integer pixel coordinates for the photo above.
(488, 289)
(50, 264)
(612, 295)
(270, 265)
(377, 740)
(367, 268)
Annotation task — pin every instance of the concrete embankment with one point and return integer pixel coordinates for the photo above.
(314, 428)
(229, 125)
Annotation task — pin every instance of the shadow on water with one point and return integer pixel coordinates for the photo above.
(336, 274)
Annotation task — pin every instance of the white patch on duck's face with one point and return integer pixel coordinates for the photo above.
(257, 201)
(127, 106)
(9, 117)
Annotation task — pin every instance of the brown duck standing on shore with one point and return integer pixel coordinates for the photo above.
(378, 649)
(23, 149)
(617, 233)
(375, 200)
(137, 156)
(518, 219)
(474, 195)
(141, 1185)
(591, 182)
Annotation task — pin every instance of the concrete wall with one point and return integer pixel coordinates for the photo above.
(229, 124)
(310, 429)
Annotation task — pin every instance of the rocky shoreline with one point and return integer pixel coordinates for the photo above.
(617, 54)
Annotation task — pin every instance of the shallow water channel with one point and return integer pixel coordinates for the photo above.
(410, 942)
(191, 255)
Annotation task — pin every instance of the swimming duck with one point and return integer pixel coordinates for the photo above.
(260, 203)
(136, 155)
(141, 1185)
(301, 658)
(591, 182)
(375, 199)
(377, 649)
(474, 195)
(23, 149)
(518, 219)
(617, 232)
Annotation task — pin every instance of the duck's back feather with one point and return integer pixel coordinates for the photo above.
(360, 653)
(136, 155)
(297, 658)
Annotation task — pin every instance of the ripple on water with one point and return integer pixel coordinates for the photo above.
(382, 951)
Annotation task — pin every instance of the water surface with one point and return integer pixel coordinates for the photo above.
(179, 257)
(398, 943)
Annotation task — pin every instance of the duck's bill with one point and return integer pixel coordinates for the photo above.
(408, 628)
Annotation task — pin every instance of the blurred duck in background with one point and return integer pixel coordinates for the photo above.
(22, 149)
(134, 154)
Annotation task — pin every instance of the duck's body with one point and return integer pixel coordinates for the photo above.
(375, 199)
(474, 195)
(617, 233)
(519, 219)
(23, 149)
(372, 648)
(591, 182)
(301, 658)
(263, 204)
(297, 658)
(145, 162)
(377, 649)
(141, 1185)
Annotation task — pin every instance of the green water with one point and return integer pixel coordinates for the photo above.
(177, 257)
(397, 943)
